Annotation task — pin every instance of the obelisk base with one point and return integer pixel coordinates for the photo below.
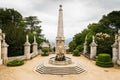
(60, 57)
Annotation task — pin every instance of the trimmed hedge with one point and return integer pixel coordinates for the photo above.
(76, 52)
(104, 60)
(15, 63)
(45, 54)
(45, 51)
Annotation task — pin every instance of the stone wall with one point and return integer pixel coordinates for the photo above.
(16, 57)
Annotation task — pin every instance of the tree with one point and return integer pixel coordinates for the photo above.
(109, 24)
(32, 23)
(15, 35)
(104, 42)
(33, 28)
(111, 20)
(72, 46)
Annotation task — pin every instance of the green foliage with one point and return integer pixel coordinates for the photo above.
(80, 48)
(15, 63)
(15, 33)
(16, 28)
(112, 20)
(76, 52)
(45, 50)
(72, 46)
(104, 60)
(109, 24)
(104, 42)
(45, 54)
(34, 29)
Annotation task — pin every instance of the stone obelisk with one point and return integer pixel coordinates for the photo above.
(60, 40)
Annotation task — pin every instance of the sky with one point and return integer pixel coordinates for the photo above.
(77, 14)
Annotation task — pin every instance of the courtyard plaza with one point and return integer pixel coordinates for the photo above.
(27, 71)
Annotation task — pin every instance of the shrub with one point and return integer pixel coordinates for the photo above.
(15, 63)
(45, 50)
(104, 60)
(45, 54)
(76, 52)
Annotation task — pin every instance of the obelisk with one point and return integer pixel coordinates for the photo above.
(60, 40)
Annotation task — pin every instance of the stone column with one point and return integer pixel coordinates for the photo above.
(27, 48)
(4, 50)
(93, 49)
(115, 51)
(85, 46)
(0, 46)
(35, 47)
(118, 61)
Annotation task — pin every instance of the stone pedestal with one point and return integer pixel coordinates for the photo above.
(27, 48)
(0, 46)
(93, 49)
(118, 61)
(35, 51)
(115, 52)
(85, 48)
(35, 47)
(4, 52)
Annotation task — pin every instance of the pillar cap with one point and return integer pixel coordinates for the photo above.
(4, 44)
(115, 45)
(27, 44)
(93, 44)
(34, 43)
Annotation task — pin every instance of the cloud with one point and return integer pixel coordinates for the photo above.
(77, 13)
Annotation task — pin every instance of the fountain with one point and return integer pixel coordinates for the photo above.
(60, 58)
(60, 64)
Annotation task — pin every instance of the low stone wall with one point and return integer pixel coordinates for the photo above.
(23, 57)
(16, 57)
(33, 55)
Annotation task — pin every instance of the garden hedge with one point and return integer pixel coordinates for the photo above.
(15, 63)
(104, 60)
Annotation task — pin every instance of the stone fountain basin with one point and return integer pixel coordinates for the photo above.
(65, 62)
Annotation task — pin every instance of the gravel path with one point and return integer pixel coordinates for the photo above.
(26, 72)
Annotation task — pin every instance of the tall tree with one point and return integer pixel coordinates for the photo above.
(11, 25)
(34, 28)
(111, 20)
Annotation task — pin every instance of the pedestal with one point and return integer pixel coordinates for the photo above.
(1, 61)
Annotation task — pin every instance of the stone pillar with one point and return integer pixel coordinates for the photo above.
(118, 61)
(35, 47)
(115, 51)
(85, 46)
(27, 48)
(4, 50)
(0, 46)
(93, 49)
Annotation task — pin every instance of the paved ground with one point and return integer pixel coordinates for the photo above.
(26, 72)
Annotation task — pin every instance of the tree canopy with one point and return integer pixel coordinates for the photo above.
(15, 27)
(109, 24)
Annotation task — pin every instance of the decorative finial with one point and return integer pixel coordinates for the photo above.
(60, 5)
(34, 39)
(0, 31)
(93, 38)
(86, 38)
(116, 36)
(27, 38)
(3, 34)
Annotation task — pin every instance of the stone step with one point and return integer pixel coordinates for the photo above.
(60, 70)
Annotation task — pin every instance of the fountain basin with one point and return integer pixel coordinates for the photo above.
(55, 62)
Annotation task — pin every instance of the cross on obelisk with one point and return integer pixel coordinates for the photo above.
(60, 40)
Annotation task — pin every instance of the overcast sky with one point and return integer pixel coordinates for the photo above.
(77, 14)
